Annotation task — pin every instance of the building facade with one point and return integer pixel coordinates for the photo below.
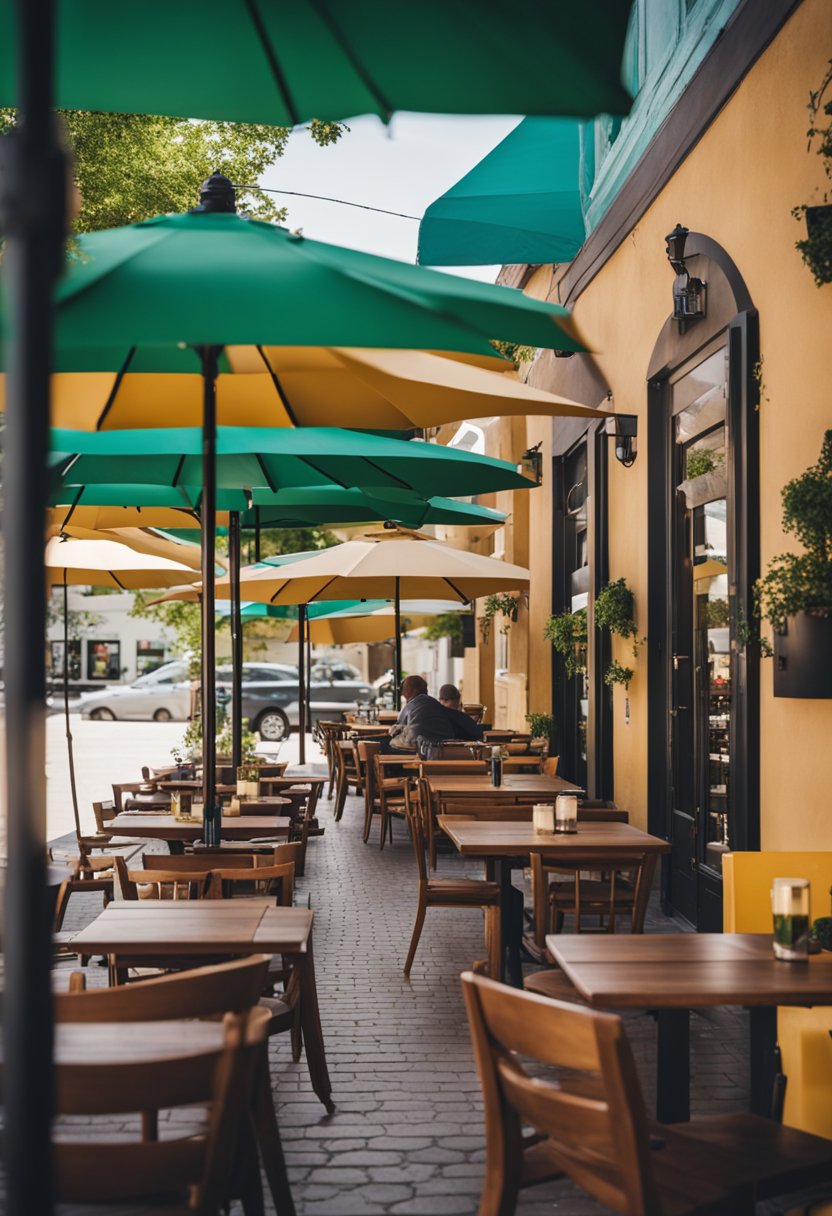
(730, 402)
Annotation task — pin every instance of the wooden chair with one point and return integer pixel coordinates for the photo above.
(606, 887)
(347, 774)
(550, 766)
(593, 810)
(185, 1175)
(474, 710)
(105, 812)
(591, 1125)
(367, 750)
(90, 875)
(451, 893)
(160, 883)
(136, 796)
(278, 880)
(224, 855)
(327, 733)
(391, 800)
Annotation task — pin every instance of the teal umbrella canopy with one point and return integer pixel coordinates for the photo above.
(265, 62)
(520, 204)
(272, 459)
(143, 297)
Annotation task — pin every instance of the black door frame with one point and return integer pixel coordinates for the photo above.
(599, 722)
(735, 317)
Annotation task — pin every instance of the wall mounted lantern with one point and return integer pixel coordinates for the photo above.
(624, 429)
(531, 464)
(689, 294)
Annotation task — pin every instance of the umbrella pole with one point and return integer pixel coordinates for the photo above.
(208, 355)
(69, 745)
(302, 723)
(397, 672)
(308, 671)
(236, 641)
(32, 221)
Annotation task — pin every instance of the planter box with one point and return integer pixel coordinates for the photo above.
(803, 658)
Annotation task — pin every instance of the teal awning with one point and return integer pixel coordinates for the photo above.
(520, 204)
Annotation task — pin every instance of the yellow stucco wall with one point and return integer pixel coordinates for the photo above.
(738, 186)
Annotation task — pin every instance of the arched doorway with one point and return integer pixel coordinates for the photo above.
(703, 544)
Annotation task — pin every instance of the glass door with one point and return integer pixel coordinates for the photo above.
(701, 675)
(576, 599)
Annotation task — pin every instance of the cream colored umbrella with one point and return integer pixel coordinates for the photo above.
(147, 541)
(306, 386)
(99, 561)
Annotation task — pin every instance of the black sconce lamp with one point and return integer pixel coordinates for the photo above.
(624, 429)
(531, 464)
(689, 294)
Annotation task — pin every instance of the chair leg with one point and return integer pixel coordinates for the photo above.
(383, 833)
(494, 932)
(368, 820)
(417, 932)
(268, 1141)
(295, 1034)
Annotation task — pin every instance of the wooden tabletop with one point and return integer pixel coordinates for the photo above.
(149, 826)
(539, 784)
(502, 838)
(286, 782)
(688, 970)
(176, 927)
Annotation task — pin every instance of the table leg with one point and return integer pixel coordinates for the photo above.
(762, 1042)
(673, 1066)
(176, 848)
(512, 925)
(313, 1037)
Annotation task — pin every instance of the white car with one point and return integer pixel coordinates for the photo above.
(163, 695)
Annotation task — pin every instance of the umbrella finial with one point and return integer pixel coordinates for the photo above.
(217, 194)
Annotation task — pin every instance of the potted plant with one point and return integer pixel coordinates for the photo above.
(449, 625)
(542, 728)
(795, 594)
(816, 249)
(567, 633)
(498, 605)
(617, 673)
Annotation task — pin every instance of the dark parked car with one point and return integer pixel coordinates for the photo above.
(270, 694)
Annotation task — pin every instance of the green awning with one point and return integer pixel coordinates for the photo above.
(520, 204)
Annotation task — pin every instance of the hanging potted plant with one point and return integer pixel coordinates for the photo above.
(795, 593)
(567, 633)
(449, 625)
(498, 605)
(816, 249)
(617, 673)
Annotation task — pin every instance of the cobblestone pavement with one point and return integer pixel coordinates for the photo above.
(407, 1137)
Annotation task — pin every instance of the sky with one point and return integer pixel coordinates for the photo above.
(402, 167)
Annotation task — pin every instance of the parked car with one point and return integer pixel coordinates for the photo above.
(270, 695)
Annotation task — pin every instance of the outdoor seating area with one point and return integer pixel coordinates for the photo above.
(415, 608)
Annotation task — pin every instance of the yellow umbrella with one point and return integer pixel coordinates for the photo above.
(106, 518)
(306, 386)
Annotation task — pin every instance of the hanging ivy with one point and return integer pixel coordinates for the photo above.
(498, 605)
(568, 634)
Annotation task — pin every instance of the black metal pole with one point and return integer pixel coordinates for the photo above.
(301, 685)
(308, 670)
(236, 640)
(69, 744)
(32, 220)
(209, 356)
(397, 672)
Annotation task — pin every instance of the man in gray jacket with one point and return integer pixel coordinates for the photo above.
(423, 718)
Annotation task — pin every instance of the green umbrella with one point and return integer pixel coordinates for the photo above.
(520, 204)
(137, 298)
(265, 62)
(251, 457)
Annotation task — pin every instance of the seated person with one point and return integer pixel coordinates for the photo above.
(464, 725)
(424, 718)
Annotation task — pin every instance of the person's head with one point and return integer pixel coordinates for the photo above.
(449, 696)
(413, 686)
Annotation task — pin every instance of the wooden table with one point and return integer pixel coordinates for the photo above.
(177, 832)
(500, 841)
(173, 929)
(287, 782)
(523, 785)
(676, 972)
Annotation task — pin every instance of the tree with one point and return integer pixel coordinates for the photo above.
(130, 167)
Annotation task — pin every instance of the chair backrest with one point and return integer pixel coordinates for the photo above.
(747, 877)
(192, 863)
(417, 833)
(201, 993)
(104, 813)
(626, 879)
(550, 766)
(267, 880)
(507, 810)
(368, 749)
(474, 710)
(593, 1115)
(599, 810)
(222, 856)
(197, 1168)
(159, 884)
(446, 768)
